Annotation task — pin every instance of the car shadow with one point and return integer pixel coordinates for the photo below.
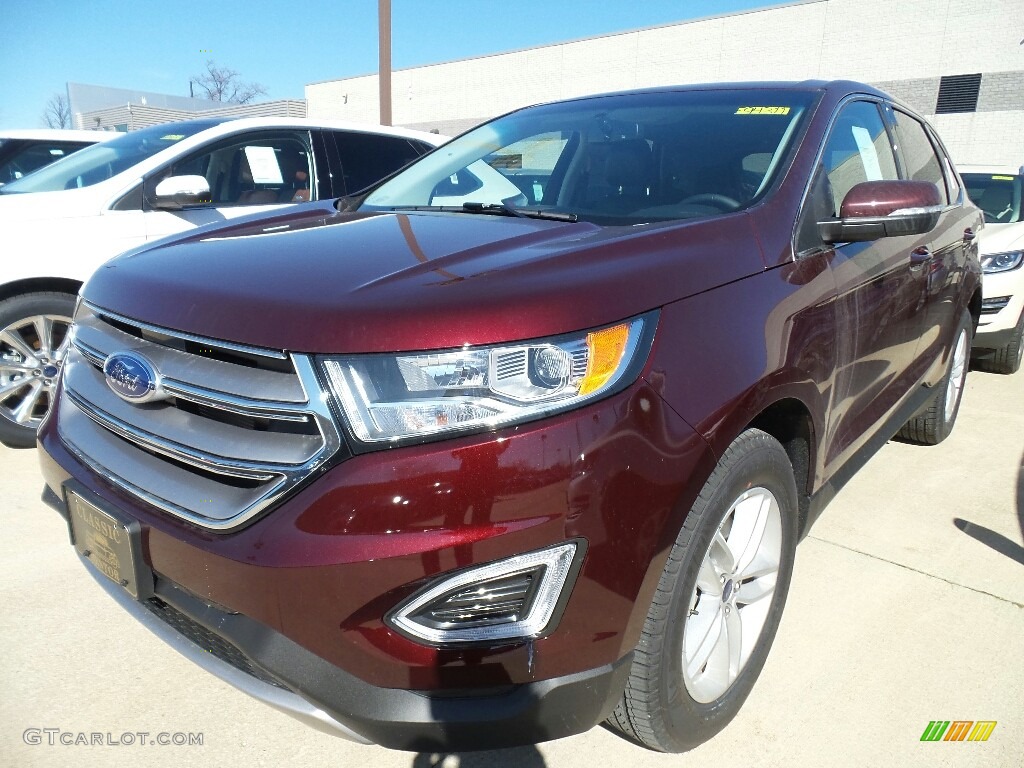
(1020, 497)
(517, 757)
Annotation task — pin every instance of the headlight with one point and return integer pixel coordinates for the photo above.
(410, 396)
(1001, 262)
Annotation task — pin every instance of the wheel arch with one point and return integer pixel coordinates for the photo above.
(789, 421)
(974, 307)
(37, 285)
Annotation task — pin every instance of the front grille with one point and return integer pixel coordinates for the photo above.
(991, 306)
(211, 643)
(238, 427)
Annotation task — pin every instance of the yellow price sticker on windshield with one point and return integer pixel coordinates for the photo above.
(1002, 178)
(173, 137)
(762, 111)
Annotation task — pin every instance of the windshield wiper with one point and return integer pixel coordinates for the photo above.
(493, 209)
(503, 209)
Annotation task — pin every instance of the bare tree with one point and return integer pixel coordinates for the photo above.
(223, 84)
(57, 113)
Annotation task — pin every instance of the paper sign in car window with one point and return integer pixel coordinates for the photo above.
(762, 111)
(172, 137)
(1002, 178)
(868, 153)
(263, 164)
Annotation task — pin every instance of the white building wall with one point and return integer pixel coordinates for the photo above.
(983, 138)
(876, 41)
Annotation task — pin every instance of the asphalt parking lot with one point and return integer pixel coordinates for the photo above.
(907, 606)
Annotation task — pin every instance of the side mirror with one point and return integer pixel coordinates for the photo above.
(877, 209)
(177, 192)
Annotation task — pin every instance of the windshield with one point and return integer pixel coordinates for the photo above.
(102, 161)
(997, 194)
(20, 157)
(623, 159)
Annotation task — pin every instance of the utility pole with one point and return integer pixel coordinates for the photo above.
(384, 69)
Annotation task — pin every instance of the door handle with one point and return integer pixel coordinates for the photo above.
(919, 257)
(969, 235)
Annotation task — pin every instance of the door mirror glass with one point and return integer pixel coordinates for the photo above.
(177, 192)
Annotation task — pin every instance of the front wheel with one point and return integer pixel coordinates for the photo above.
(33, 342)
(935, 423)
(718, 603)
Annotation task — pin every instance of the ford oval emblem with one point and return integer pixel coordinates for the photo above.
(132, 377)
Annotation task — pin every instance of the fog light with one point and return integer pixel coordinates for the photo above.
(515, 598)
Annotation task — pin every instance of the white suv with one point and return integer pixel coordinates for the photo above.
(61, 222)
(997, 191)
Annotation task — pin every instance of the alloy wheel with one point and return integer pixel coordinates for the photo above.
(32, 352)
(957, 374)
(732, 599)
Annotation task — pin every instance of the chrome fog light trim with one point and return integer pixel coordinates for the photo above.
(514, 598)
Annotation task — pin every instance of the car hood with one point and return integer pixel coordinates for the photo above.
(319, 281)
(999, 238)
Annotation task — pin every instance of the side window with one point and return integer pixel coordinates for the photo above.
(952, 184)
(367, 158)
(918, 154)
(956, 192)
(857, 149)
(256, 169)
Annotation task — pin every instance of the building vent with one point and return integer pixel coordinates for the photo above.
(958, 93)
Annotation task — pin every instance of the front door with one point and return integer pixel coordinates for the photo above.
(880, 302)
(247, 173)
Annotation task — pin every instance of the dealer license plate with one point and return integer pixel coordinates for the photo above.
(110, 542)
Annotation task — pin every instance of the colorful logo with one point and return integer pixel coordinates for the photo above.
(958, 730)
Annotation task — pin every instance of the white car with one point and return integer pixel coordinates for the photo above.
(28, 150)
(997, 191)
(61, 222)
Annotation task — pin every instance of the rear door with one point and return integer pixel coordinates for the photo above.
(941, 254)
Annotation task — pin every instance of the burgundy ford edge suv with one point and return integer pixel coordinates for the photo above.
(523, 438)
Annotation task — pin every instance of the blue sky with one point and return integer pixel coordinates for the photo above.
(157, 46)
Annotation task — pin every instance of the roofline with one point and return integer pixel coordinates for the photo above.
(313, 122)
(69, 134)
(232, 124)
(740, 85)
(769, 6)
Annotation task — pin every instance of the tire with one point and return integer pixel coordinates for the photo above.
(935, 423)
(1006, 359)
(33, 341)
(673, 702)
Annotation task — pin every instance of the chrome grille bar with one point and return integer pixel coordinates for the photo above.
(232, 436)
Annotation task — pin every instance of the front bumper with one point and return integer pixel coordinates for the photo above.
(996, 329)
(291, 607)
(269, 667)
